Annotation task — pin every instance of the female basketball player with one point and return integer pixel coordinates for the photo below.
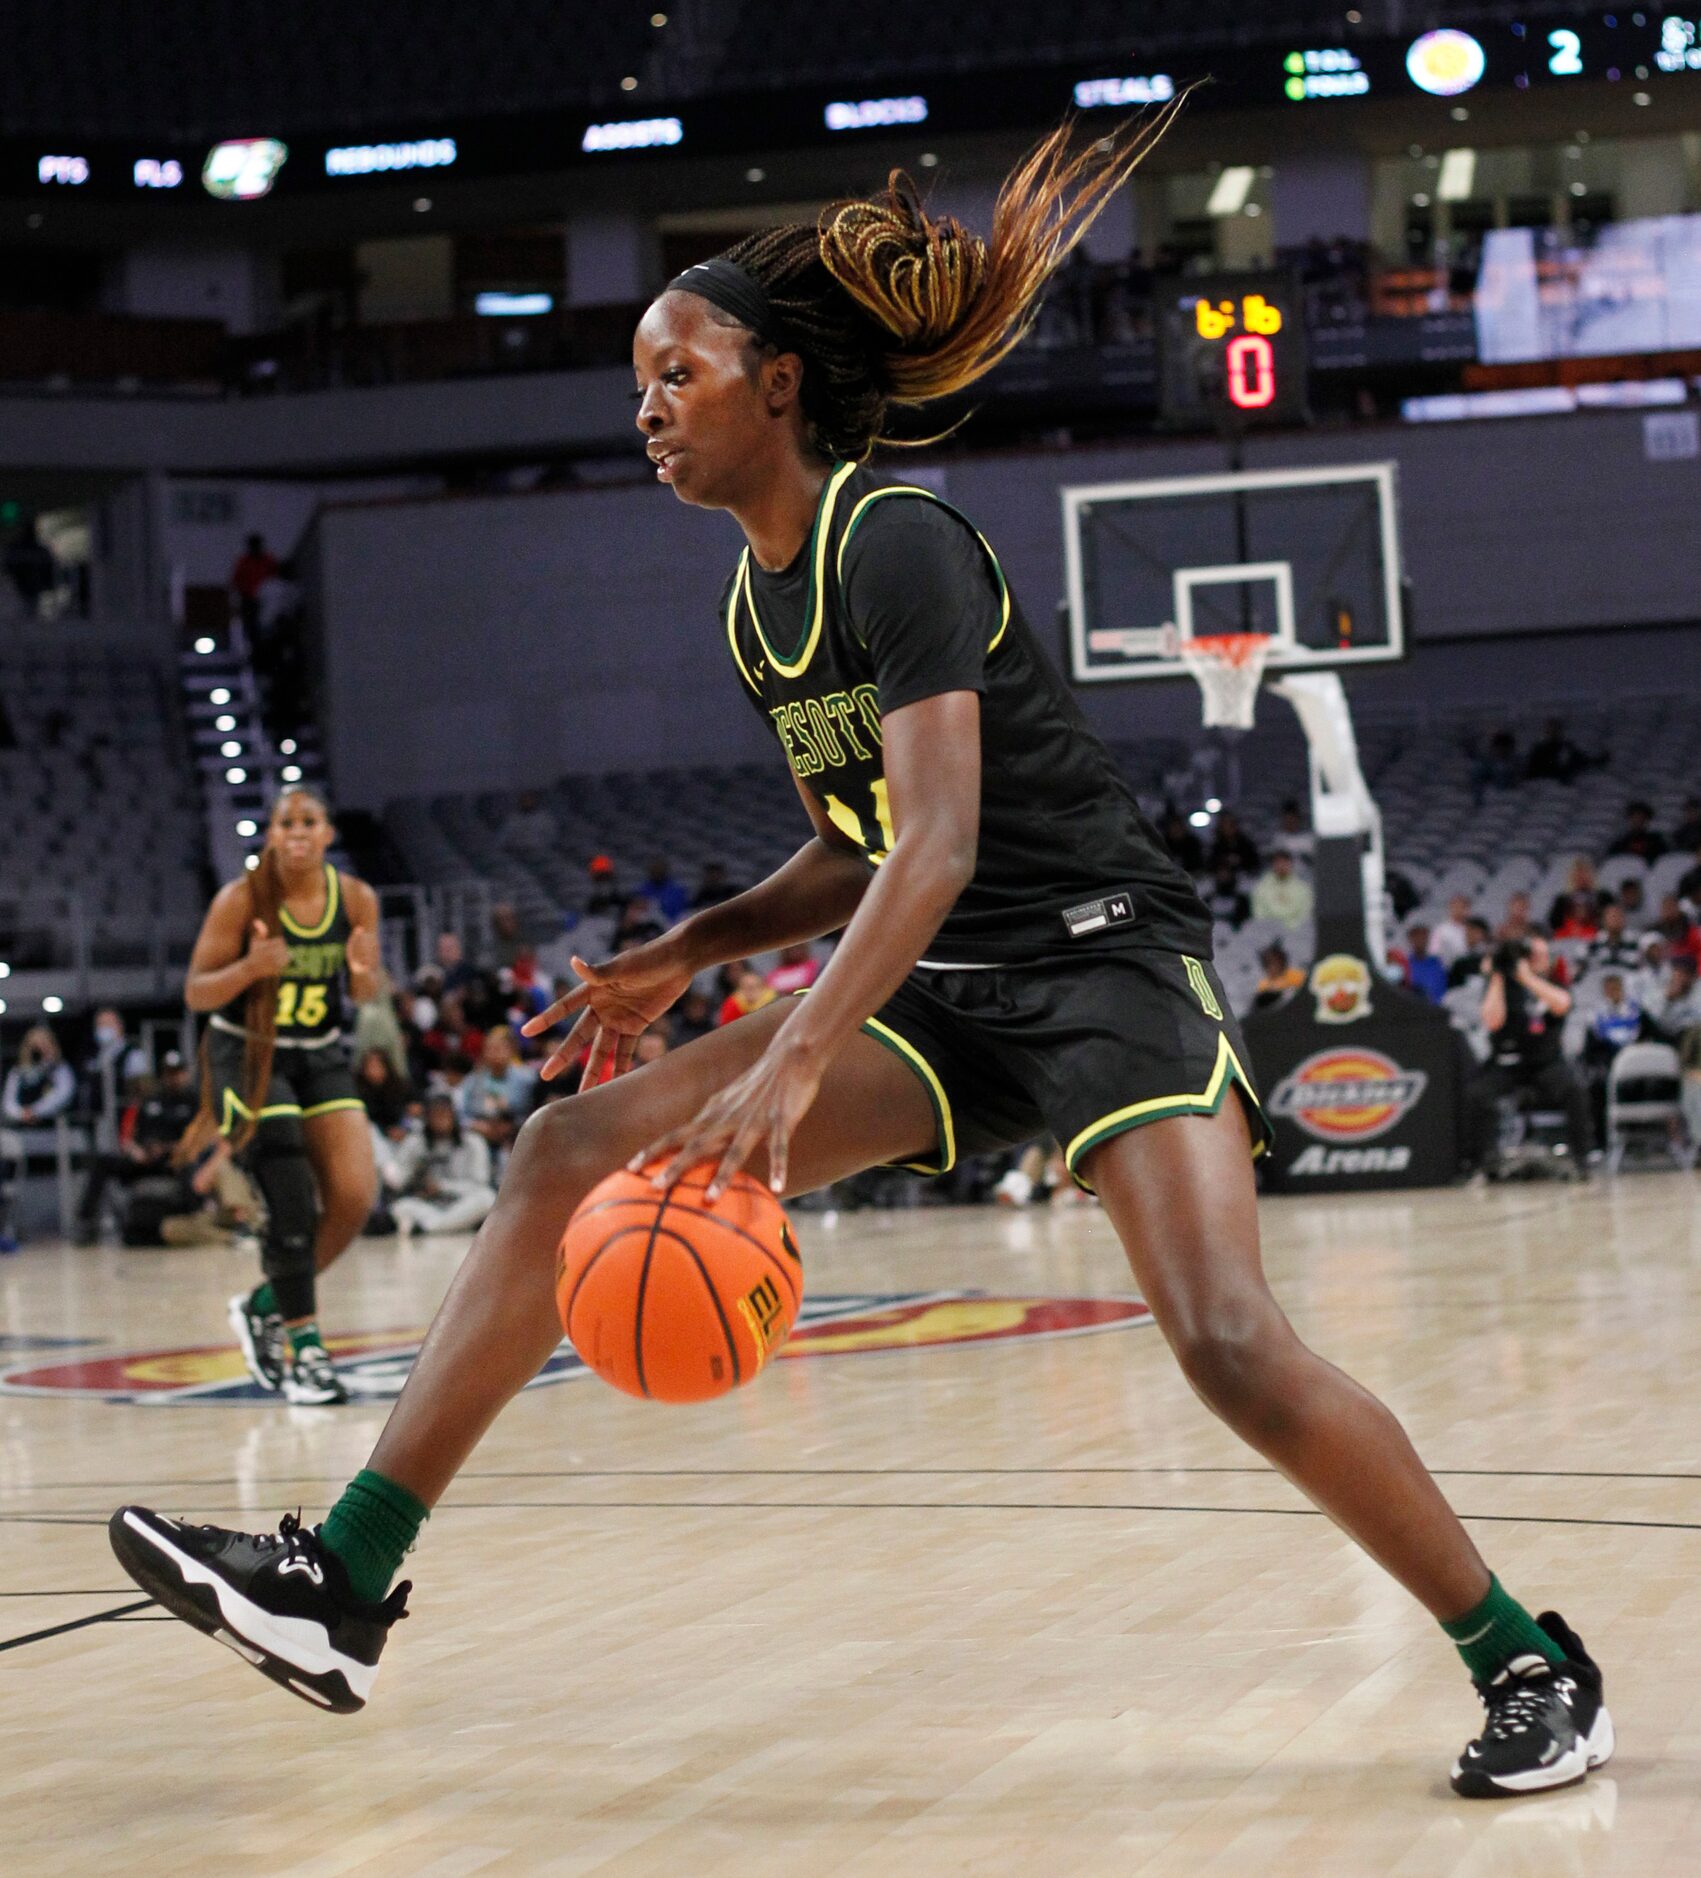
(276, 952)
(1019, 957)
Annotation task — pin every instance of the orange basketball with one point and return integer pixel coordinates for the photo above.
(668, 1297)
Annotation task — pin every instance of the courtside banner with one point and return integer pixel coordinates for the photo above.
(1361, 1080)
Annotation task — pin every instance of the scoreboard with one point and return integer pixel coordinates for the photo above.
(1231, 351)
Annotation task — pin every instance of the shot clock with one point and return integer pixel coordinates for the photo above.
(1231, 351)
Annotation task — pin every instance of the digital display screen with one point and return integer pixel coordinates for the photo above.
(1231, 352)
(1656, 47)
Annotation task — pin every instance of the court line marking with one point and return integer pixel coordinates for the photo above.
(832, 1473)
(941, 1506)
(77, 1623)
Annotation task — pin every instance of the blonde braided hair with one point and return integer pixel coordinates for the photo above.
(888, 305)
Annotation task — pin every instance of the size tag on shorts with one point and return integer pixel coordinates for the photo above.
(1115, 909)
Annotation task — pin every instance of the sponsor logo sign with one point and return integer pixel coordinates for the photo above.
(1347, 1095)
(1341, 985)
(375, 1364)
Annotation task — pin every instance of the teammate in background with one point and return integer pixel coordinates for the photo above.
(277, 952)
(1020, 956)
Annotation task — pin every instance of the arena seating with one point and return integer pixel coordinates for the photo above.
(101, 866)
(1438, 833)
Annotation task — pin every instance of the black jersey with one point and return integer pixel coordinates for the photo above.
(312, 986)
(894, 598)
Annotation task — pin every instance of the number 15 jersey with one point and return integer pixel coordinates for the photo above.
(895, 598)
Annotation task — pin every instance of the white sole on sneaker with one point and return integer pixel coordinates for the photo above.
(294, 1640)
(1595, 1750)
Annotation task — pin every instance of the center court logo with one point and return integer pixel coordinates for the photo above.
(374, 1366)
(1348, 1095)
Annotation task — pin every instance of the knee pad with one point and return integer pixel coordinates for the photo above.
(284, 1175)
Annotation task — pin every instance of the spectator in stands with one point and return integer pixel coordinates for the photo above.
(507, 937)
(112, 1069)
(144, 1150)
(497, 1096)
(714, 887)
(1581, 881)
(1183, 844)
(1633, 898)
(1231, 842)
(1687, 834)
(1613, 948)
(30, 567)
(1424, 972)
(39, 1088)
(797, 970)
(640, 922)
(665, 893)
(1617, 1020)
(387, 1093)
(1523, 1011)
(1293, 832)
(692, 1016)
(1554, 757)
(456, 972)
(1479, 944)
(530, 828)
(256, 566)
(1640, 836)
(603, 899)
(1681, 934)
(750, 991)
(1515, 925)
(1675, 1007)
(1281, 894)
(1224, 897)
(442, 1176)
(1579, 921)
(1450, 941)
(1497, 767)
(1279, 978)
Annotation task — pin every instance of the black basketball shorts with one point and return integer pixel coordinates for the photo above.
(1080, 1048)
(304, 1082)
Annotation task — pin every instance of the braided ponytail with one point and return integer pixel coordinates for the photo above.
(889, 305)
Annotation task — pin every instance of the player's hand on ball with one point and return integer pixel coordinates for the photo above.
(761, 1109)
(613, 1006)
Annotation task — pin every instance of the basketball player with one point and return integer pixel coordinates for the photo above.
(1020, 957)
(277, 951)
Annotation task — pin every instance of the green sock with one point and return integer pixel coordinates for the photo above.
(371, 1529)
(262, 1301)
(1491, 1633)
(304, 1333)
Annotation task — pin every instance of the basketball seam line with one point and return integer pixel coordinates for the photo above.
(643, 1291)
(715, 1299)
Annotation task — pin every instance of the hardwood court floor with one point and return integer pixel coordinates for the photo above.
(1009, 1606)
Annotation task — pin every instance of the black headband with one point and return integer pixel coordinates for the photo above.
(725, 284)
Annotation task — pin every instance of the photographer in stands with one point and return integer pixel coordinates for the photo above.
(1524, 1011)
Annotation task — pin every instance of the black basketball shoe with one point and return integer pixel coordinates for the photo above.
(1547, 1723)
(309, 1379)
(260, 1335)
(280, 1600)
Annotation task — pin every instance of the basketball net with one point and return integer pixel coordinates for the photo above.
(1228, 667)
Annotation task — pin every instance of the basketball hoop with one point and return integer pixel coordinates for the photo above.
(1228, 667)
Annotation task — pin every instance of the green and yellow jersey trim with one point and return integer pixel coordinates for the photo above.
(1226, 1072)
(914, 489)
(236, 1110)
(815, 609)
(333, 899)
(327, 1108)
(906, 1052)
